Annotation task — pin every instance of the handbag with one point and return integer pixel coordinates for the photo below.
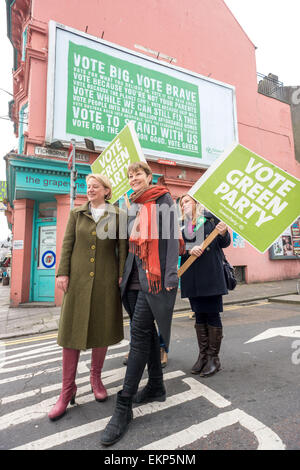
(229, 274)
(229, 271)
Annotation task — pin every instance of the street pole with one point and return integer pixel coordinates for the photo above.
(73, 176)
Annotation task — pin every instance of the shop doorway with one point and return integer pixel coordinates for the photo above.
(43, 252)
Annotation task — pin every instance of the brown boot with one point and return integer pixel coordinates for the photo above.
(163, 357)
(125, 360)
(215, 335)
(202, 337)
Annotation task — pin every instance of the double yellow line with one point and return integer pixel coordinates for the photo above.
(30, 340)
(126, 323)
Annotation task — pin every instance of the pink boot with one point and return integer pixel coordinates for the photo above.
(98, 356)
(69, 368)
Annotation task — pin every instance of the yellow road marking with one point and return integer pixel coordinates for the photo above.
(229, 307)
(236, 307)
(29, 340)
(126, 323)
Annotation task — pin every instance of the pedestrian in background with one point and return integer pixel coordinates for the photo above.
(204, 282)
(89, 273)
(148, 289)
(163, 353)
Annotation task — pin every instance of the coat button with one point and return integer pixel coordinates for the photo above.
(93, 247)
(92, 274)
(208, 249)
(92, 260)
(94, 232)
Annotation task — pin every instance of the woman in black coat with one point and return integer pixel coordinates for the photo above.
(204, 282)
(148, 291)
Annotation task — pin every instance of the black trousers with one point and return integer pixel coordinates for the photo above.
(212, 319)
(144, 343)
(207, 309)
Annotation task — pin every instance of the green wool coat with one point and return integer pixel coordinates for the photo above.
(91, 314)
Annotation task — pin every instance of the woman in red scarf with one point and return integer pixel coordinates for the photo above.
(148, 291)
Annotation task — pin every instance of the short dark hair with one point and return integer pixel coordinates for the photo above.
(136, 166)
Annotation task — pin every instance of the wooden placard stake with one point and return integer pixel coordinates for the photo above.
(127, 201)
(193, 258)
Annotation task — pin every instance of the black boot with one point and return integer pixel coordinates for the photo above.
(215, 335)
(119, 422)
(202, 337)
(154, 391)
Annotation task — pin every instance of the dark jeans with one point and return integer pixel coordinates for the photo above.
(144, 343)
(212, 319)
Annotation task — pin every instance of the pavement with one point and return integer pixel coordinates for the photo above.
(36, 318)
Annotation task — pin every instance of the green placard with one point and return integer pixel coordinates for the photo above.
(257, 199)
(3, 190)
(114, 160)
(105, 93)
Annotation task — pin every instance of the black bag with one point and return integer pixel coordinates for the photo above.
(229, 274)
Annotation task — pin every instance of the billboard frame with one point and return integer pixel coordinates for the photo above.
(151, 155)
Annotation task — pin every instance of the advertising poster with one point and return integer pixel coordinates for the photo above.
(104, 93)
(47, 247)
(255, 198)
(237, 241)
(94, 88)
(287, 246)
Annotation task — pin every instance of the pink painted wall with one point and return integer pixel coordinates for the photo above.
(21, 258)
(203, 36)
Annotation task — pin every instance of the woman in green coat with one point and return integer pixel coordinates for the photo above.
(90, 271)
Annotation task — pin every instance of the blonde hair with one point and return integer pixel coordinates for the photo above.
(197, 208)
(102, 179)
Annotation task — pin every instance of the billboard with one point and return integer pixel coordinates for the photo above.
(94, 88)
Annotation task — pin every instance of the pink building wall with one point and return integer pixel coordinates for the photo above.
(202, 36)
(20, 275)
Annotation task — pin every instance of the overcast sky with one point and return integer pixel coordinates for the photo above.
(272, 25)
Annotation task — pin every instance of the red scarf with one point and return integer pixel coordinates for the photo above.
(144, 239)
(144, 236)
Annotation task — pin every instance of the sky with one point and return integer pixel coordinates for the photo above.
(272, 25)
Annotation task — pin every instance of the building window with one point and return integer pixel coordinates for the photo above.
(24, 42)
(47, 209)
(240, 273)
(23, 124)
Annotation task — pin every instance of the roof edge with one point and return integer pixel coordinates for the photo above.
(240, 26)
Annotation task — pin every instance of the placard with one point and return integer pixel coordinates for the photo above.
(115, 159)
(257, 199)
